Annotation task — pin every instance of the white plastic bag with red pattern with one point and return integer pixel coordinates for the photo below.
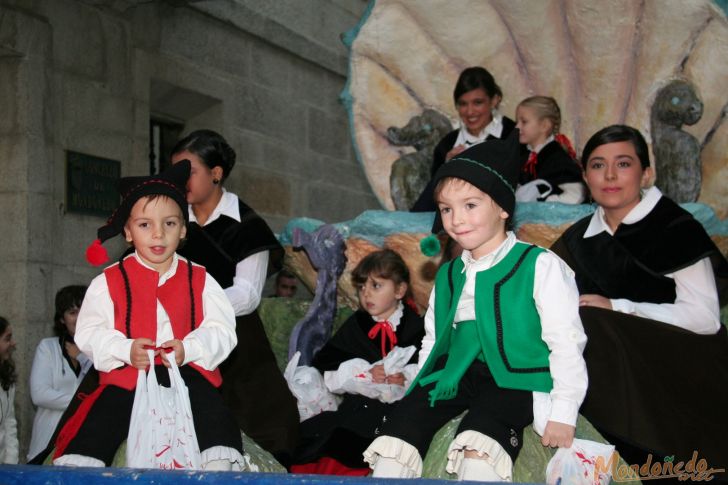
(161, 431)
(578, 465)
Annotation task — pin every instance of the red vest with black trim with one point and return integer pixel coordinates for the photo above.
(174, 296)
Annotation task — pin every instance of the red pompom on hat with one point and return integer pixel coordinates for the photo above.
(171, 183)
(96, 254)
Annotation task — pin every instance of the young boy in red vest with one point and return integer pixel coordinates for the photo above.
(152, 298)
(503, 339)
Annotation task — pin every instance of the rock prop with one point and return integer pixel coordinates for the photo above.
(677, 152)
(325, 250)
(540, 223)
(411, 171)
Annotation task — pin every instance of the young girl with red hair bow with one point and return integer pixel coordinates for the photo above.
(332, 442)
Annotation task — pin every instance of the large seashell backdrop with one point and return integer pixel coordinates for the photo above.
(604, 62)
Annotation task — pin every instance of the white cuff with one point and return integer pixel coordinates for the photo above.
(623, 306)
(193, 350)
(564, 411)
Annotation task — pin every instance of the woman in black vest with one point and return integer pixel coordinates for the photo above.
(476, 97)
(651, 283)
(238, 249)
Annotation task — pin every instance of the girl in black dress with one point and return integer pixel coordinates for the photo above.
(332, 442)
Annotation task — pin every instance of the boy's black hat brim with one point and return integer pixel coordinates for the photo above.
(171, 183)
(492, 166)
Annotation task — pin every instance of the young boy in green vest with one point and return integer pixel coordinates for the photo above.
(503, 340)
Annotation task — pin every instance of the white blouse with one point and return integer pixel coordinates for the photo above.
(696, 306)
(52, 386)
(495, 128)
(8, 427)
(251, 272)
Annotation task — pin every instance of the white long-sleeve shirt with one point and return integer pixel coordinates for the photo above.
(8, 427)
(52, 385)
(696, 307)
(557, 303)
(250, 273)
(207, 346)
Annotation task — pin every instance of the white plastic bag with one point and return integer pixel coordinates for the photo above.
(307, 385)
(533, 191)
(161, 431)
(577, 465)
(353, 377)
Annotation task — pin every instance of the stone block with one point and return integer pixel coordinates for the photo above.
(41, 220)
(317, 87)
(250, 149)
(146, 24)
(301, 164)
(40, 165)
(205, 42)
(334, 203)
(346, 173)
(13, 157)
(269, 112)
(294, 26)
(328, 135)
(12, 287)
(86, 106)
(116, 146)
(270, 67)
(266, 192)
(38, 308)
(78, 28)
(13, 227)
(10, 95)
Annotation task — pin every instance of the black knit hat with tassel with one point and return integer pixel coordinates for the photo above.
(492, 167)
(171, 183)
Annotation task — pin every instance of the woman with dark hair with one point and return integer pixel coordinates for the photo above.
(8, 378)
(476, 98)
(239, 250)
(651, 282)
(58, 369)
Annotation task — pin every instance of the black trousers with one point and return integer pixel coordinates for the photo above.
(107, 424)
(498, 413)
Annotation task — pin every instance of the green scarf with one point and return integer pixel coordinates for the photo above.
(464, 349)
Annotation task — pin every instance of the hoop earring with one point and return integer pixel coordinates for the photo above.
(215, 181)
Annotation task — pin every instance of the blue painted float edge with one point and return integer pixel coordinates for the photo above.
(375, 225)
(47, 475)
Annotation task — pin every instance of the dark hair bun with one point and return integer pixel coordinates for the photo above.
(211, 147)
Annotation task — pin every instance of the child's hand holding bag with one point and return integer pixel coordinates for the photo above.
(161, 431)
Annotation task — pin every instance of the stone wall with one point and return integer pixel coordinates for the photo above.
(87, 76)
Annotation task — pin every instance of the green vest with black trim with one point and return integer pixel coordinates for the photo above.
(508, 324)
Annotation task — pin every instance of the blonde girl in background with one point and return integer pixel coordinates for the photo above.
(549, 171)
